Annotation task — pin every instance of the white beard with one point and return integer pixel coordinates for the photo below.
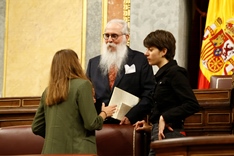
(109, 58)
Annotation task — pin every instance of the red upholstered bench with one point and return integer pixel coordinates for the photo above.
(112, 140)
(19, 140)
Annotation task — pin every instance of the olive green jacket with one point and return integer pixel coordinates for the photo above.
(69, 127)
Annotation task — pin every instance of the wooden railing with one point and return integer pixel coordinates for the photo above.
(197, 145)
(17, 110)
(215, 117)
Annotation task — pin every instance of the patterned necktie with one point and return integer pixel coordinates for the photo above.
(112, 75)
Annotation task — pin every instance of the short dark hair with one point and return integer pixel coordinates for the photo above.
(161, 39)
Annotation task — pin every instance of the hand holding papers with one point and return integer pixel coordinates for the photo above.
(124, 101)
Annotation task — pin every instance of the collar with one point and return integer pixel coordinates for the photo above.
(165, 68)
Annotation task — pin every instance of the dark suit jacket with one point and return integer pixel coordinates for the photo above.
(139, 83)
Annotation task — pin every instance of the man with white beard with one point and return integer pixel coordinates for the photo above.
(117, 56)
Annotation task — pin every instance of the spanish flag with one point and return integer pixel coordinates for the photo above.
(217, 51)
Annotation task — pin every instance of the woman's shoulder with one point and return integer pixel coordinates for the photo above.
(80, 85)
(79, 81)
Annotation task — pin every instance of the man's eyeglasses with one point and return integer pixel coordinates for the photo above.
(113, 36)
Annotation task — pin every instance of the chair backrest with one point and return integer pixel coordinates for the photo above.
(221, 81)
(19, 140)
(120, 140)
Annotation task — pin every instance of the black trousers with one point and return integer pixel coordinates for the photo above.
(177, 132)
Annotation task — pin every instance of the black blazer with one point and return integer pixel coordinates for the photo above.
(140, 83)
(173, 95)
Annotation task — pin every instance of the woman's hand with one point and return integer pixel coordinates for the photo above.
(142, 126)
(161, 127)
(125, 121)
(108, 111)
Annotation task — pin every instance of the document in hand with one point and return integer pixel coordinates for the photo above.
(124, 101)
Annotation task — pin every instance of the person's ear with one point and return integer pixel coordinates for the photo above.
(164, 51)
(127, 36)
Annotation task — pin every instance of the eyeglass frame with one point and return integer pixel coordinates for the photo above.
(111, 35)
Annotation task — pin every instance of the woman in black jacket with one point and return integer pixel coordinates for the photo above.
(173, 96)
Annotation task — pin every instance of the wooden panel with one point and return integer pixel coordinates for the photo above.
(179, 151)
(218, 118)
(9, 102)
(16, 119)
(211, 150)
(196, 119)
(213, 97)
(14, 123)
(215, 116)
(5, 102)
(17, 110)
(30, 102)
(212, 94)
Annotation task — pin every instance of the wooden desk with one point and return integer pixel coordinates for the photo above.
(55, 155)
(215, 117)
(199, 146)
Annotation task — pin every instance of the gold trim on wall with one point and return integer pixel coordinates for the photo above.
(126, 13)
(83, 38)
(104, 15)
(5, 50)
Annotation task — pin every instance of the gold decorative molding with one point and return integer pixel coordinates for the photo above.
(5, 51)
(126, 13)
(104, 14)
(83, 39)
